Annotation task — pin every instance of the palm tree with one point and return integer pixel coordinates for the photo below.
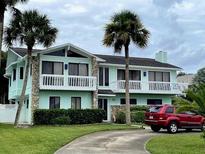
(29, 28)
(3, 5)
(125, 27)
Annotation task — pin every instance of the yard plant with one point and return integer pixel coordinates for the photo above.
(29, 28)
(176, 144)
(4, 5)
(125, 27)
(46, 139)
(68, 116)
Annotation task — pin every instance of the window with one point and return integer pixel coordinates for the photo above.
(57, 53)
(78, 69)
(54, 103)
(133, 101)
(75, 102)
(170, 110)
(52, 67)
(14, 74)
(21, 72)
(159, 76)
(74, 54)
(154, 102)
(155, 109)
(103, 76)
(10, 81)
(27, 103)
(133, 75)
(31, 70)
(120, 74)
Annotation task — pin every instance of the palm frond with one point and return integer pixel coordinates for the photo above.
(140, 38)
(124, 28)
(30, 28)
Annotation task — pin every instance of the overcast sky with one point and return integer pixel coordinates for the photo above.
(176, 26)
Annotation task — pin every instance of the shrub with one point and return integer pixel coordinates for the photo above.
(65, 120)
(139, 108)
(82, 116)
(138, 116)
(120, 118)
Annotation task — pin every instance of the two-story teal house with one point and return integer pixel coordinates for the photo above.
(67, 76)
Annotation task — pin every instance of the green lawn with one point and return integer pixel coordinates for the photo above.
(177, 144)
(45, 139)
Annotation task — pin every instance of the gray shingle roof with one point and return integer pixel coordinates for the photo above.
(135, 61)
(22, 51)
(114, 59)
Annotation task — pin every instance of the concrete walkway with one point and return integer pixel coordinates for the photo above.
(110, 142)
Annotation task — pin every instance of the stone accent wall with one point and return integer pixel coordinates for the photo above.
(35, 85)
(95, 73)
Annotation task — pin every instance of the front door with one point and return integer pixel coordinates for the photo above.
(102, 104)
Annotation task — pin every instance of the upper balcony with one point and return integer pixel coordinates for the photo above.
(61, 82)
(153, 87)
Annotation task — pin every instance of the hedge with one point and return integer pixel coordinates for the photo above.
(138, 116)
(139, 108)
(120, 118)
(82, 116)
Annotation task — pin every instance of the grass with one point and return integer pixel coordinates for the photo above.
(46, 139)
(177, 144)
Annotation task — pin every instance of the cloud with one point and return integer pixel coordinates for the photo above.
(176, 26)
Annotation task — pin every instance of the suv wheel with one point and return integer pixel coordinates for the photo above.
(172, 127)
(155, 128)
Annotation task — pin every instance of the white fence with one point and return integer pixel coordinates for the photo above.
(7, 113)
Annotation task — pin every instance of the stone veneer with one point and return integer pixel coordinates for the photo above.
(95, 73)
(35, 85)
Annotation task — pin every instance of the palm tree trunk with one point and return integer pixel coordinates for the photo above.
(127, 95)
(22, 97)
(1, 31)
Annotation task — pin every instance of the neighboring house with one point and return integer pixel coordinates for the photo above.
(187, 78)
(67, 76)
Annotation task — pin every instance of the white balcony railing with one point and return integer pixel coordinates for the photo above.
(133, 85)
(152, 87)
(61, 82)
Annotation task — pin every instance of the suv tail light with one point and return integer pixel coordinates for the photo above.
(162, 117)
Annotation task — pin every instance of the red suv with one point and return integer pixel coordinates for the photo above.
(165, 117)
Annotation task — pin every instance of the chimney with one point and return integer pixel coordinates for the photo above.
(161, 56)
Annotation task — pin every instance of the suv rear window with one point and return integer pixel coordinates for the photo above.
(155, 109)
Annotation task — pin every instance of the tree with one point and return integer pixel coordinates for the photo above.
(3, 6)
(194, 100)
(29, 28)
(3, 80)
(181, 74)
(199, 77)
(125, 27)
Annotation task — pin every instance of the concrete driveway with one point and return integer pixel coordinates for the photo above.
(110, 142)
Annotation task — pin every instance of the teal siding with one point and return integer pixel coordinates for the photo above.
(16, 86)
(65, 98)
(141, 100)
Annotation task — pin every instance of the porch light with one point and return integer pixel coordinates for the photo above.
(145, 74)
(66, 66)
